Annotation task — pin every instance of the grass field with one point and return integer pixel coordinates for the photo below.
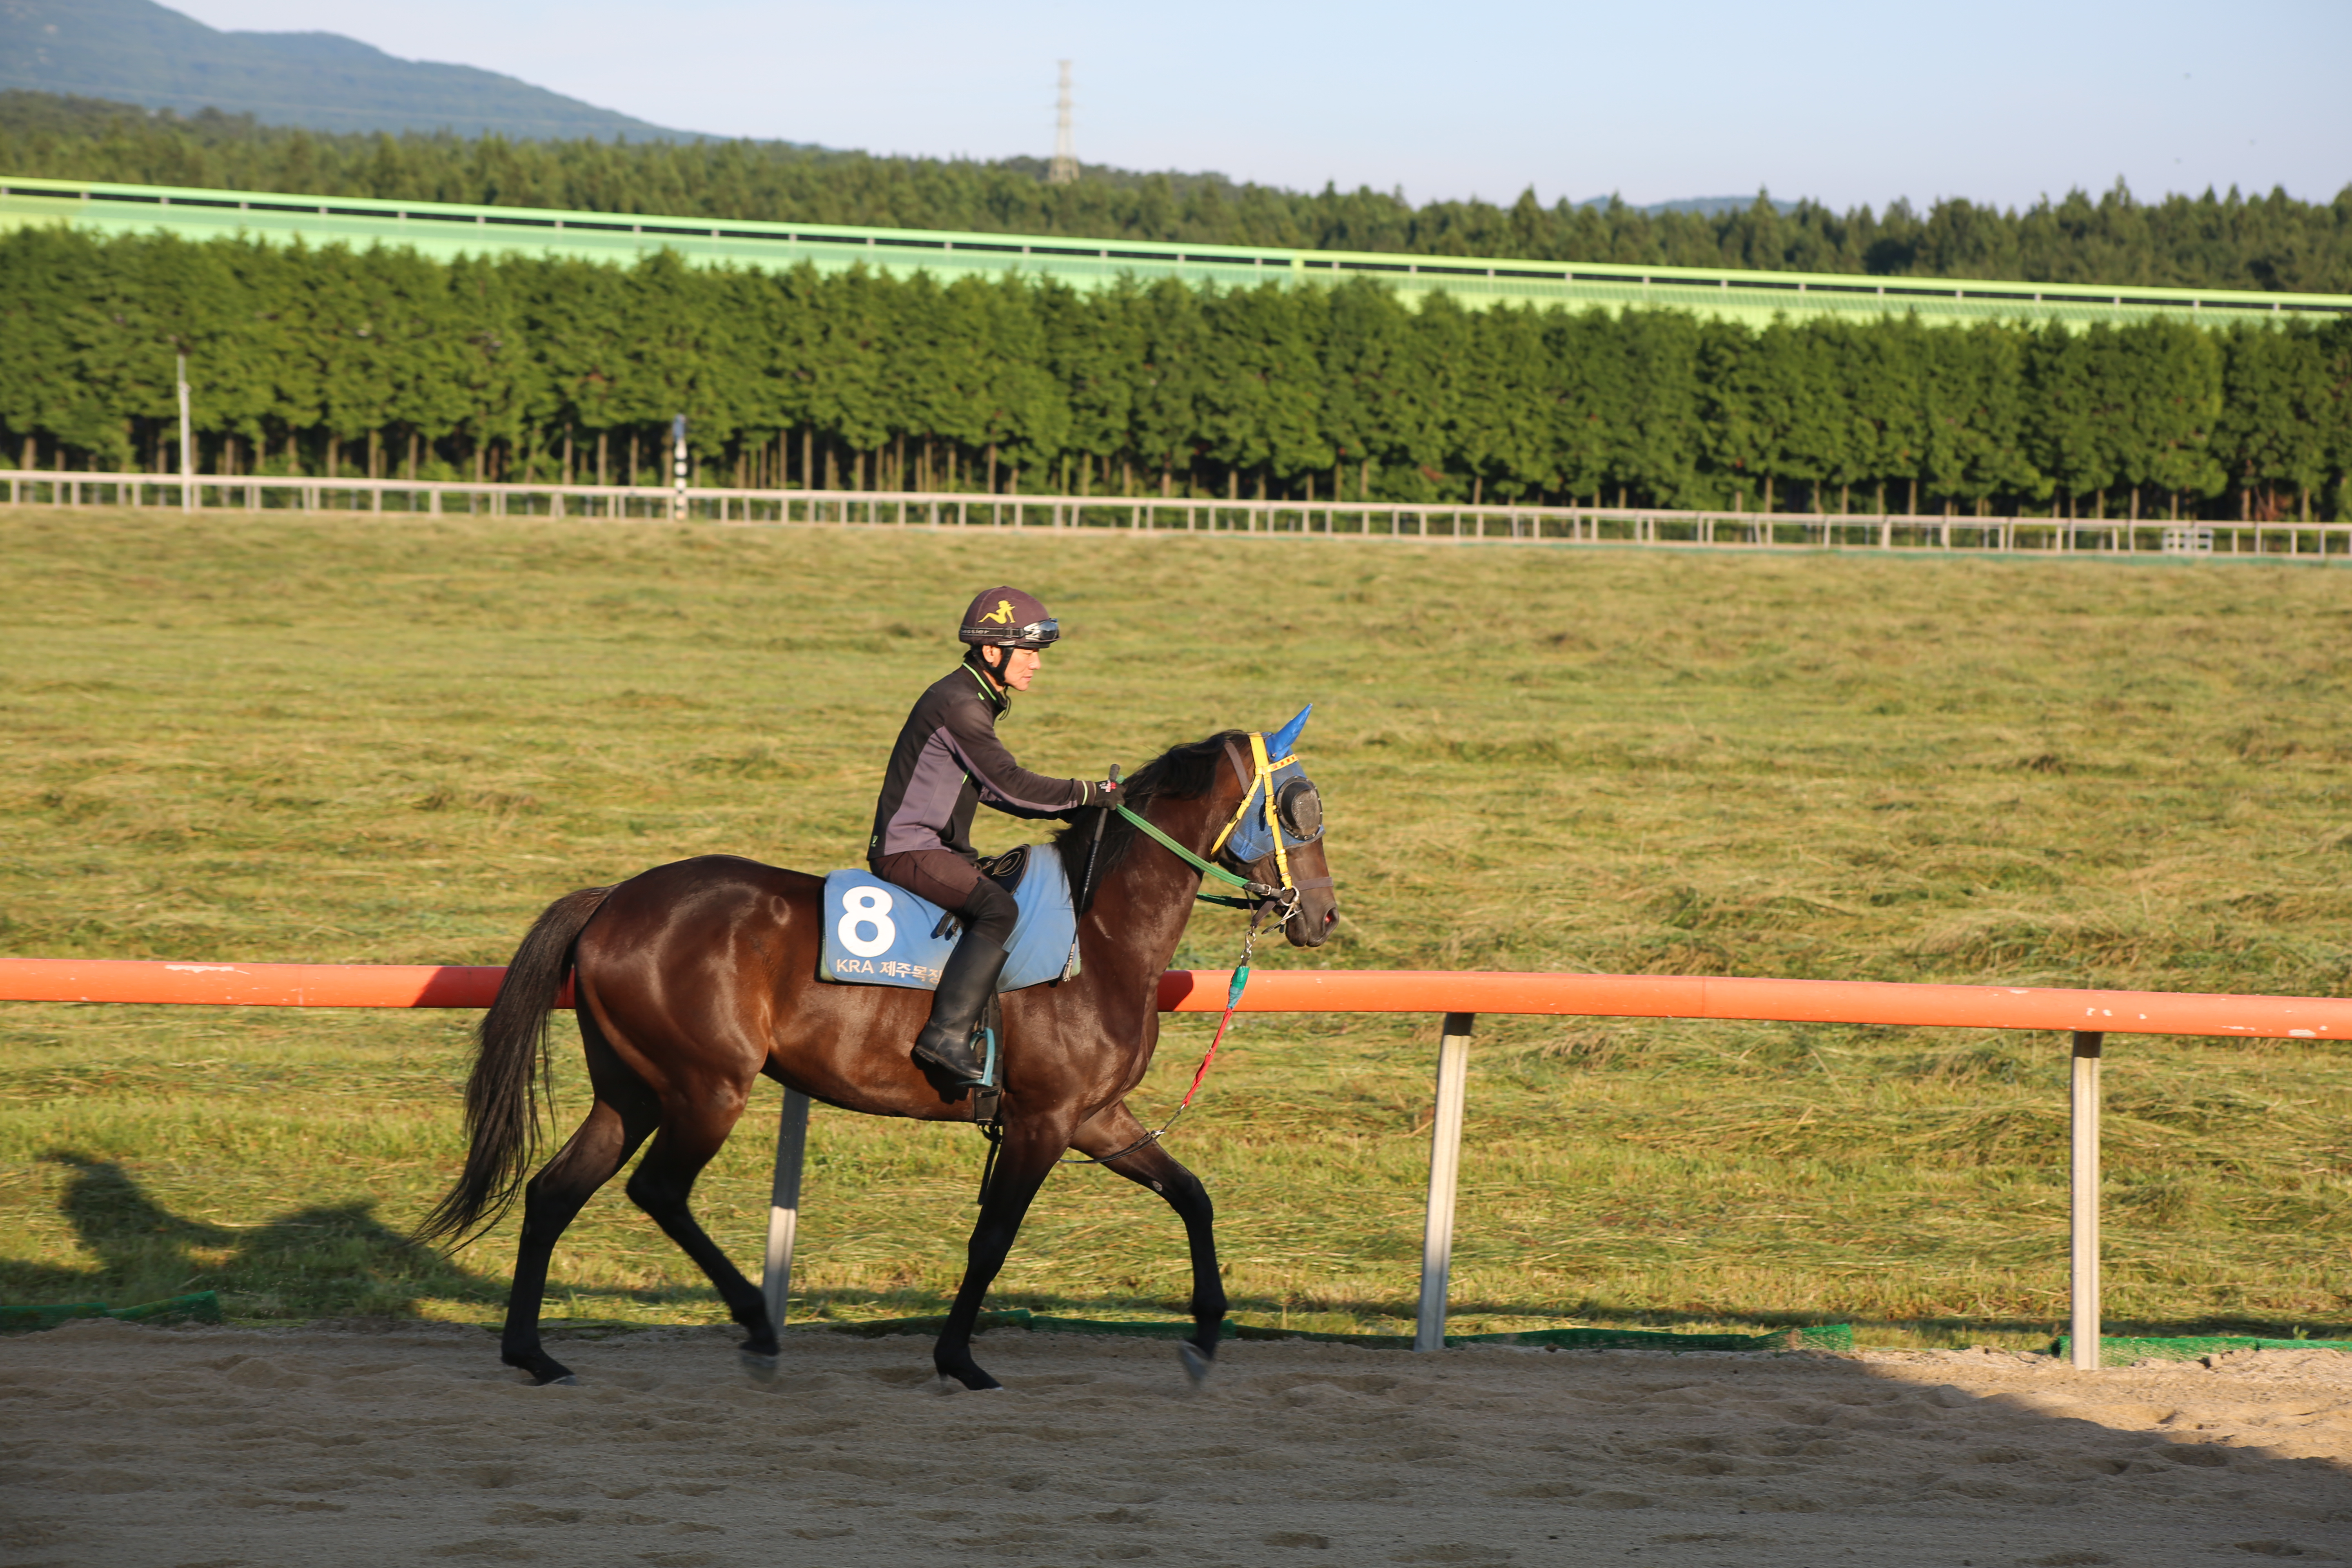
(347, 739)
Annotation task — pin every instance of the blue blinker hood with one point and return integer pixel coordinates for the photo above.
(1251, 840)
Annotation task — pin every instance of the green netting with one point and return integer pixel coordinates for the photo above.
(1818, 1336)
(1812, 1336)
(1010, 1318)
(203, 1307)
(2115, 1351)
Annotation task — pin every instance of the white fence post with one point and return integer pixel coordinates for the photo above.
(2084, 1193)
(784, 1203)
(1445, 1170)
(187, 444)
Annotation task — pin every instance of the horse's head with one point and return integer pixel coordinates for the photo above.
(1275, 836)
(1237, 807)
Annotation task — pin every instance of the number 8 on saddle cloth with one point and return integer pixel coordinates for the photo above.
(877, 934)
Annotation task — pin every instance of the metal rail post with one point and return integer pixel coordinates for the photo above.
(784, 1203)
(1444, 1169)
(2084, 1196)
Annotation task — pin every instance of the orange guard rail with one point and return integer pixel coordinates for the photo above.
(1304, 990)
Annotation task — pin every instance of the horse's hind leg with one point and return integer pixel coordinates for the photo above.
(552, 1199)
(1153, 1166)
(1030, 1150)
(692, 1130)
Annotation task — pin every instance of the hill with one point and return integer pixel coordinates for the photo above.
(149, 54)
(1700, 206)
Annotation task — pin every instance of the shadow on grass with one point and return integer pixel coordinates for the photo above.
(306, 1262)
(324, 1261)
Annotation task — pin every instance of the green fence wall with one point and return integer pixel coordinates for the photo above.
(445, 231)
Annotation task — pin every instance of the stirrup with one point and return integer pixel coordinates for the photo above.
(956, 1062)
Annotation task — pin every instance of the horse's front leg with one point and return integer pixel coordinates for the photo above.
(1153, 1166)
(1031, 1144)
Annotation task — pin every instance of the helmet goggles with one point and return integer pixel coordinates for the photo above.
(1035, 634)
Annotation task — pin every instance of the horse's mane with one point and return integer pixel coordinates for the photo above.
(1181, 772)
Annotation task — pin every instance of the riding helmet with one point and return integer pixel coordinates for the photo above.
(1007, 617)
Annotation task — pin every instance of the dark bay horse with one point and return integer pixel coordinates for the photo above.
(693, 979)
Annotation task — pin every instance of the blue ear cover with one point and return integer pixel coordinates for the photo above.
(1278, 744)
(1251, 840)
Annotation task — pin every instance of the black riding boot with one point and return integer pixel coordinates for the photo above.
(965, 985)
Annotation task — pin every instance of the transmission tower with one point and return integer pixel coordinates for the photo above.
(1064, 168)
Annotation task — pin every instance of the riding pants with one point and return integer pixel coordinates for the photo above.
(952, 882)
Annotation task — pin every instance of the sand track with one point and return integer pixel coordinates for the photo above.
(215, 1447)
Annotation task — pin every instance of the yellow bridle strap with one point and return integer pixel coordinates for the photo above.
(1235, 820)
(1265, 783)
(1265, 768)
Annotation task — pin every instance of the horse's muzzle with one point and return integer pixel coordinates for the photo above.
(1311, 926)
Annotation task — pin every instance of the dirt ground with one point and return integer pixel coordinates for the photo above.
(209, 1447)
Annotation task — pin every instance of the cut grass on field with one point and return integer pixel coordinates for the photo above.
(353, 740)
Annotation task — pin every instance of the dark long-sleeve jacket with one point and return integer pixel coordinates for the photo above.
(949, 759)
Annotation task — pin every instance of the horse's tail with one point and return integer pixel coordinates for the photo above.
(502, 1094)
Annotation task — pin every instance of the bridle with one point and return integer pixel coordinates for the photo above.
(1258, 779)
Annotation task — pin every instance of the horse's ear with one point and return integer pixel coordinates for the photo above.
(1278, 744)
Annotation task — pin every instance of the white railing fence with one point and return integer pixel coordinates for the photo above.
(1447, 522)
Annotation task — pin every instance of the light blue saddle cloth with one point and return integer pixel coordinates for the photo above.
(876, 934)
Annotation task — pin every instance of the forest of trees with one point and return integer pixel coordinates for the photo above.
(2268, 242)
(334, 361)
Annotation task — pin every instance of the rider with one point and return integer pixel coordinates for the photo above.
(949, 759)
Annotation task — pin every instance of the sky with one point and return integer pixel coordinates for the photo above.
(2002, 102)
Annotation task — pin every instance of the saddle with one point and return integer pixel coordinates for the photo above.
(1005, 870)
(878, 935)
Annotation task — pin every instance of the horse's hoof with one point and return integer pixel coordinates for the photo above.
(763, 1368)
(972, 1382)
(566, 1380)
(948, 1385)
(1197, 1364)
